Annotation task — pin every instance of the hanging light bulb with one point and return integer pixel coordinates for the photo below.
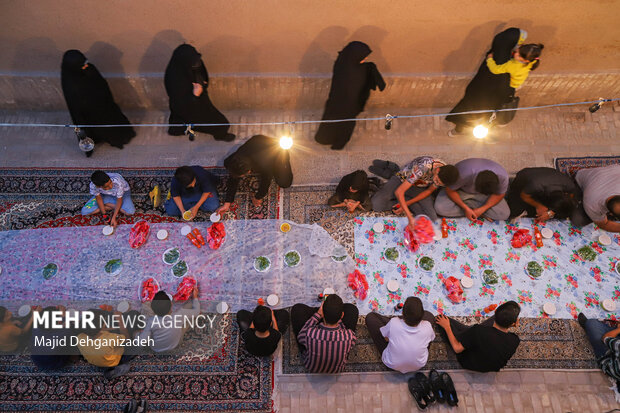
(286, 142)
(388, 121)
(598, 105)
(190, 133)
(481, 132)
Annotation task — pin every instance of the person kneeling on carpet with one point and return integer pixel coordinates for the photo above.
(601, 197)
(192, 188)
(486, 346)
(110, 193)
(403, 341)
(97, 345)
(168, 337)
(52, 357)
(352, 193)
(262, 329)
(13, 332)
(325, 346)
(606, 345)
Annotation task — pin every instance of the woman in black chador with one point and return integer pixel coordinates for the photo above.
(90, 101)
(350, 89)
(486, 90)
(186, 83)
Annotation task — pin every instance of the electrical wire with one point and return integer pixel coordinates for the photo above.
(302, 122)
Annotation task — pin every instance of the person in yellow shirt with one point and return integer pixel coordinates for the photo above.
(524, 60)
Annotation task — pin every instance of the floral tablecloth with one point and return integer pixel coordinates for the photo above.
(569, 282)
(226, 274)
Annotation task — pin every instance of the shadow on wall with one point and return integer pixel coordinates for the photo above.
(107, 58)
(37, 54)
(373, 36)
(153, 65)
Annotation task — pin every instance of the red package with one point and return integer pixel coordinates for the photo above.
(139, 233)
(521, 238)
(455, 291)
(410, 240)
(215, 235)
(358, 283)
(148, 290)
(423, 230)
(185, 288)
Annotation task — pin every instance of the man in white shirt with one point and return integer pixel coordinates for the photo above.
(403, 341)
(110, 193)
(165, 336)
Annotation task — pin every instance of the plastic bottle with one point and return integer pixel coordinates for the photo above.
(199, 236)
(538, 237)
(260, 301)
(444, 228)
(193, 239)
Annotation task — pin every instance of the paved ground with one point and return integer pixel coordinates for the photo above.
(535, 138)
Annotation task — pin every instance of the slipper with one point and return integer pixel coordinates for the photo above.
(448, 385)
(426, 385)
(416, 390)
(382, 172)
(437, 385)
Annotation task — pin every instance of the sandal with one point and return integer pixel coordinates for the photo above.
(426, 385)
(437, 385)
(416, 390)
(448, 385)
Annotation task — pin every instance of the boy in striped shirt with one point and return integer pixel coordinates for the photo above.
(325, 345)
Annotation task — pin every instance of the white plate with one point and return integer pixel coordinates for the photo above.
(214, 218)
(608, 305)
(604, 239)
(422, 269)
(298, 262)
(546, 233)
(123, 306)
(378, 227)
(266, 269)
(618, 268)
(24, 310)
(222, 307)
(392, 285)
(467, 282)
(185, 229)
(162, 234)
(328, 291)
(170, 249)
(108, 230)
(184, 274)
(115, 273)
(549, 308)
(273, 299)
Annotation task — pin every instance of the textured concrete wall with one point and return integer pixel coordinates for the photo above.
(294, 92)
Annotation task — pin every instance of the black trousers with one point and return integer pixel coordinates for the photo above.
(300, 313)
(244, 318)
(374, 322)
(460, 328)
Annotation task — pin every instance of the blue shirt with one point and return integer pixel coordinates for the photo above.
(205, 182)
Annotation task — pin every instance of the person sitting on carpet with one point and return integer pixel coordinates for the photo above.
(486, 346)
(262, 329)
(110, 192)
(412, 185)
(261, 155)
(479, 192)
(325, 346)
(352, 192)
(605, 343)
(101, 350)
(543, 193)
(46, 357)
(192, 188)
(14, 332)
(166, 337)
(601, 197)
(403, 341)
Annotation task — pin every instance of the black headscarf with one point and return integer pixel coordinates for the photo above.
(186, 67)
(90, 101)
(357, 180)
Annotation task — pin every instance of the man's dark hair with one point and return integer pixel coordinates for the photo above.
(562, 204)
(185, 175)
(161, 304)
(99, 178)
(238, 165)
(448, 174)
(413, 310)
(3, 311)
(261, 317)
(332, 309)
(487, 182)
(613, 205)
(506, 314)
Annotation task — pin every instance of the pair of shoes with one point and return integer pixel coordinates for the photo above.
(384, 169)
(155, 196)
(136, 406)
(581, 319)
(437, 387)
(117, 371)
